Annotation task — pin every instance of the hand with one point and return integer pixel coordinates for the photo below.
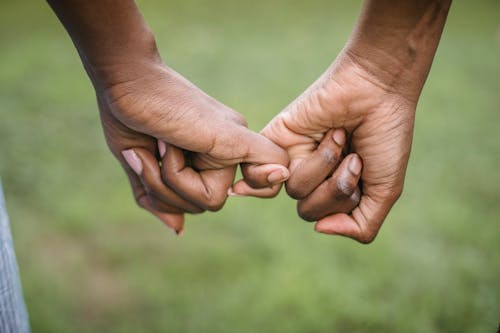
(379, 122)
(142, 101)
(160, 117)
(371, 90)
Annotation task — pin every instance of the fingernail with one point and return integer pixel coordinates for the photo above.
(133, 160)
(278, 176)
(355, 165)
(339, 137)
(180, 232)
(231, 193)
(162, 148)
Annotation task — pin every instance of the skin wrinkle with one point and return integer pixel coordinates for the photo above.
(379, 75)
(298, 187)
(345, 190)
(328, 156)
(125, 100)
(212, 200)
(301, 107)
(356, 196)
(122, 73)
(284, 119)
(355, 58)
(209, 197)
(361, 223)
(322, 97)
(142, 100)
(153, 184)
(388, 57)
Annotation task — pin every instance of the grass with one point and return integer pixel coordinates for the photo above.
(93, 262)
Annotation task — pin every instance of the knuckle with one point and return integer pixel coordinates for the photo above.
(195, 210)
(356, 197)
(345, 189)
(367, 237)
(214, 206)
(295, 190)
(215, 203)
(393, 193)
(168, 176)
(239, 119)
(141, 201)
(328, 155)
(398, 192)
(306, 213)
(157, 205)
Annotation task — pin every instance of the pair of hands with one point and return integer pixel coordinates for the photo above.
(342, 147)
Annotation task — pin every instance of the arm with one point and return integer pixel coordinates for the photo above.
(390, 52)
(113, 40)
(151, 115)
(371, 90)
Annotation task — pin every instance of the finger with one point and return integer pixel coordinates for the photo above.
(264, 175)
(366, 219)
(262, 181)
(207, 189)
(241, 188)
(314, 169)
(255, 148)
(144, 164)
(173, 220)
(338, 194)
(265, 162)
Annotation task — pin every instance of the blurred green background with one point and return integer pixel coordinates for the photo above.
(91, 261)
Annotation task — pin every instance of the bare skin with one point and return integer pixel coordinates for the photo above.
(371, 90)
(180, 147)
(150, 114)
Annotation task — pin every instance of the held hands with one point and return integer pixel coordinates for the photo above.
(345, 140)
(180, 148)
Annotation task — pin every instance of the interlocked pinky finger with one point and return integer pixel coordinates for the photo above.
(241, 188)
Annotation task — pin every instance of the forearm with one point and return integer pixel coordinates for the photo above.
(112, 39)
(396, 41)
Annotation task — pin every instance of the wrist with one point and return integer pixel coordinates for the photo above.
(111, 36)
(396, 43)
(126, 62)
(392, 74)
